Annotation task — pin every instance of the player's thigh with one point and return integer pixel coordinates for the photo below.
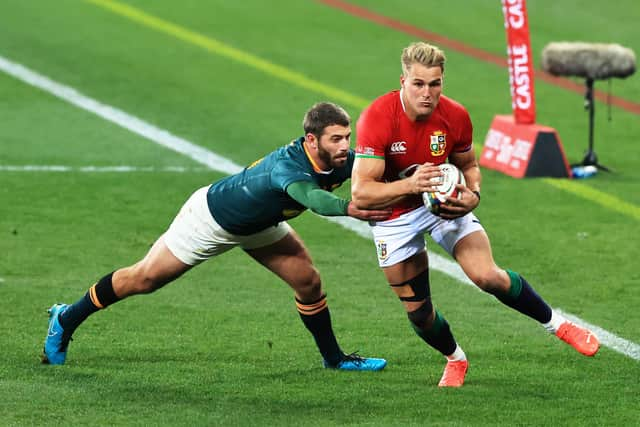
(406, 269)
(288, 259)
(400, 239)
(161, 264)
(194, 236)
(473, 253)
(159, 267)
(448, 233)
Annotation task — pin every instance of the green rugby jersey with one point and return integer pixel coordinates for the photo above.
(256, 198)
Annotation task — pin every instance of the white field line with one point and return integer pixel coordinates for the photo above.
(119, 117)
(216, 162)
(94, 169)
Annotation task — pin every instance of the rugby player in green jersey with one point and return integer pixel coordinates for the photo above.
(249, 210)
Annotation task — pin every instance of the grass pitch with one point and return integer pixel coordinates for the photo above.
(223, 345)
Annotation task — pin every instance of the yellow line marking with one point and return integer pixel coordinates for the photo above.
(222, 49)
(333, 93)
(598, 197)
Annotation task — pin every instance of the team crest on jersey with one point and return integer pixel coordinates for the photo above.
(438, 143)
(381, 247)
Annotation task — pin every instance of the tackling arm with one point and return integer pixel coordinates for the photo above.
(326, 203)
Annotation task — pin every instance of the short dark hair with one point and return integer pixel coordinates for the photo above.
(322, 115)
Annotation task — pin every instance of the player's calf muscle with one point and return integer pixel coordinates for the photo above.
(134, 280)
(491, 280)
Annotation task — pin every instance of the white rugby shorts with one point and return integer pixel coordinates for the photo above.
(194, 236)
(400, 238)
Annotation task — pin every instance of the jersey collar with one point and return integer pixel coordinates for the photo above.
(402, 101)
(315, 166)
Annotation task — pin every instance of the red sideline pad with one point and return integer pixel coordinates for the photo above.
(521, 150)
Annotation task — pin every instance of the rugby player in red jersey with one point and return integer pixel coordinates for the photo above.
(401, 137)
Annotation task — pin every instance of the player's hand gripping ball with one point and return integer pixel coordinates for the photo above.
(447, 188)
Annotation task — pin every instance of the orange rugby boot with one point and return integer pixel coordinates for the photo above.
(454, 373)
(579, 338)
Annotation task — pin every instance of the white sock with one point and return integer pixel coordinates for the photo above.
(556, 320)
(457, 356)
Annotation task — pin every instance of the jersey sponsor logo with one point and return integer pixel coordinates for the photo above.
(381, 247)
(398, 147)
(438, 143)
(365, 151)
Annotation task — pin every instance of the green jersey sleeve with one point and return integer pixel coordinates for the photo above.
(318, 200)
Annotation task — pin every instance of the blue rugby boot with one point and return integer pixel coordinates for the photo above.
(57, 340)
(354, 362)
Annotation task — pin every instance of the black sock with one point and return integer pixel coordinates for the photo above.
(439, 336)
(317, 319)
(523, 298)
(99, 296)
(76, 313)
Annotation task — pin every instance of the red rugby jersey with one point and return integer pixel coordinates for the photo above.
(384, 131)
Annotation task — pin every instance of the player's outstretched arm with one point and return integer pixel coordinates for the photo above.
(368, 214)
(326, 203)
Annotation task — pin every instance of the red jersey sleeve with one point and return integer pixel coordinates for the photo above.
(373, 131)
(464, 138)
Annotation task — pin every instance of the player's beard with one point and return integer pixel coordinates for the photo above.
(331, 161)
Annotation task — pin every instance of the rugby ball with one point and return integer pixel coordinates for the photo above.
(447, 188)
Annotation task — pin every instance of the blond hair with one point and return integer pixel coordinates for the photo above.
(422, 53)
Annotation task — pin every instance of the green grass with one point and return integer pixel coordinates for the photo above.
(223, 345)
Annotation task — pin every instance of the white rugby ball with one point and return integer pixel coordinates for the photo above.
(447, 188)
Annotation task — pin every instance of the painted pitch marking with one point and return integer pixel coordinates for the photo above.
(282, 73)
(219, 163)
(219, 48)
(99, 169)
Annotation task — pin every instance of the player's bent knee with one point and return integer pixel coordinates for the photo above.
(414, 290)
(489, 280)
(307, 284)
(423, 317)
